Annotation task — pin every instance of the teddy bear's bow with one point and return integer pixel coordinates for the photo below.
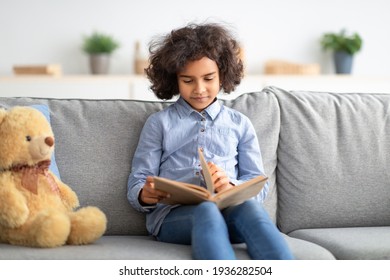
(30, 176)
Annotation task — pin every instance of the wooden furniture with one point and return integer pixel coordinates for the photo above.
(47, 69)
(282, 67)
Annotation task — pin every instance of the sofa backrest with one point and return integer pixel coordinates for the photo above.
(333, 160)
(96, 140)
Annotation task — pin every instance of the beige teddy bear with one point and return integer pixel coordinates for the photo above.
(36, 208)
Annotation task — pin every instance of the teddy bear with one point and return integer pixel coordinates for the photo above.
(36, 208)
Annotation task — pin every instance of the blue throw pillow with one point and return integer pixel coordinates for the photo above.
(44, 109)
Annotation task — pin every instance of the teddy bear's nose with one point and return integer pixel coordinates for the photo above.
(49, 141)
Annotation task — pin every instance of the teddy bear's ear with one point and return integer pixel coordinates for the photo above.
(3, 113)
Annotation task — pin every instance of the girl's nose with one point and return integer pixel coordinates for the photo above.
(199, 88)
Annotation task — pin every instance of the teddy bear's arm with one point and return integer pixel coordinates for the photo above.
(13, 205)
(68, 196)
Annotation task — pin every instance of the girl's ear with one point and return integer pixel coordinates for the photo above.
(220, 79)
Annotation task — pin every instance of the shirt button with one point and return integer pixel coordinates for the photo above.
(202, 130)
(197, 173)
(203, 119)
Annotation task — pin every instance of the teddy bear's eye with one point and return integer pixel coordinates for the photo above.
(28, 138)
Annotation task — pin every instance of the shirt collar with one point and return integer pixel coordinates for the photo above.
(184, 109)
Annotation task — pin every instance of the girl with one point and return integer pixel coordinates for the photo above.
(196, 62)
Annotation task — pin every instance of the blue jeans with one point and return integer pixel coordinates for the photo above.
(211, 232)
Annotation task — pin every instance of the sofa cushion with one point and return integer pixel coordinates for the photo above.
(142, 248)
(306, 250)
(365, 243)
(333, 160)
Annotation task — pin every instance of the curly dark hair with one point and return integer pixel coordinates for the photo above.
(170, 53)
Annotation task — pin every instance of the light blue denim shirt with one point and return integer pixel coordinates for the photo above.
(168, 147)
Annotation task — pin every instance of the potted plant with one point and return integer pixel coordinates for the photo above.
(344, 47)
(99, 47)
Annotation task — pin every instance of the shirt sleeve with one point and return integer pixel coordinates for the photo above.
(145, 162)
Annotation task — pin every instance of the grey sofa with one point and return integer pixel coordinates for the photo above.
(327, 156)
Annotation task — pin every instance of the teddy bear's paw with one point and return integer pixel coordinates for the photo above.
(88, 225)
(13, 211)
(50, 229)
(15, 216)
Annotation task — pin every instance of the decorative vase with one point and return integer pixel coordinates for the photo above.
(343, 62)
(99, 63)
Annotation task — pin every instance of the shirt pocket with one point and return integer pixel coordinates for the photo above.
(223, 142)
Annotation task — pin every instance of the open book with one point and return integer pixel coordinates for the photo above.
(184, 193)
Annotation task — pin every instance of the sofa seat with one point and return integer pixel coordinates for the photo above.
(352, 243)
(122, 247)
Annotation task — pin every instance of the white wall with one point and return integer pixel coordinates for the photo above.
(50, 31)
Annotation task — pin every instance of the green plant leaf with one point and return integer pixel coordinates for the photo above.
(342, 42)
(99, 43)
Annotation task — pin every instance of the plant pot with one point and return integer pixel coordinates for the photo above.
(343, 62)
(99, 63)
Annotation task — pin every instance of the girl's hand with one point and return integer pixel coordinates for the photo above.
(149, 195)
(220, 179)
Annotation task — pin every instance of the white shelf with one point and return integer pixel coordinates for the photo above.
(137, 87)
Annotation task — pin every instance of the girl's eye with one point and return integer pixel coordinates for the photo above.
(28, 138)
(209, 78)
(187, 81)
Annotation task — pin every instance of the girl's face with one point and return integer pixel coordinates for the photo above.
(199, 83)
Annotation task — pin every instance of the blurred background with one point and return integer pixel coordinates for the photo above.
(52, 31)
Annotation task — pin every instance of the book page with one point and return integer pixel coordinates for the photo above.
(206, 172)
(240, 193)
